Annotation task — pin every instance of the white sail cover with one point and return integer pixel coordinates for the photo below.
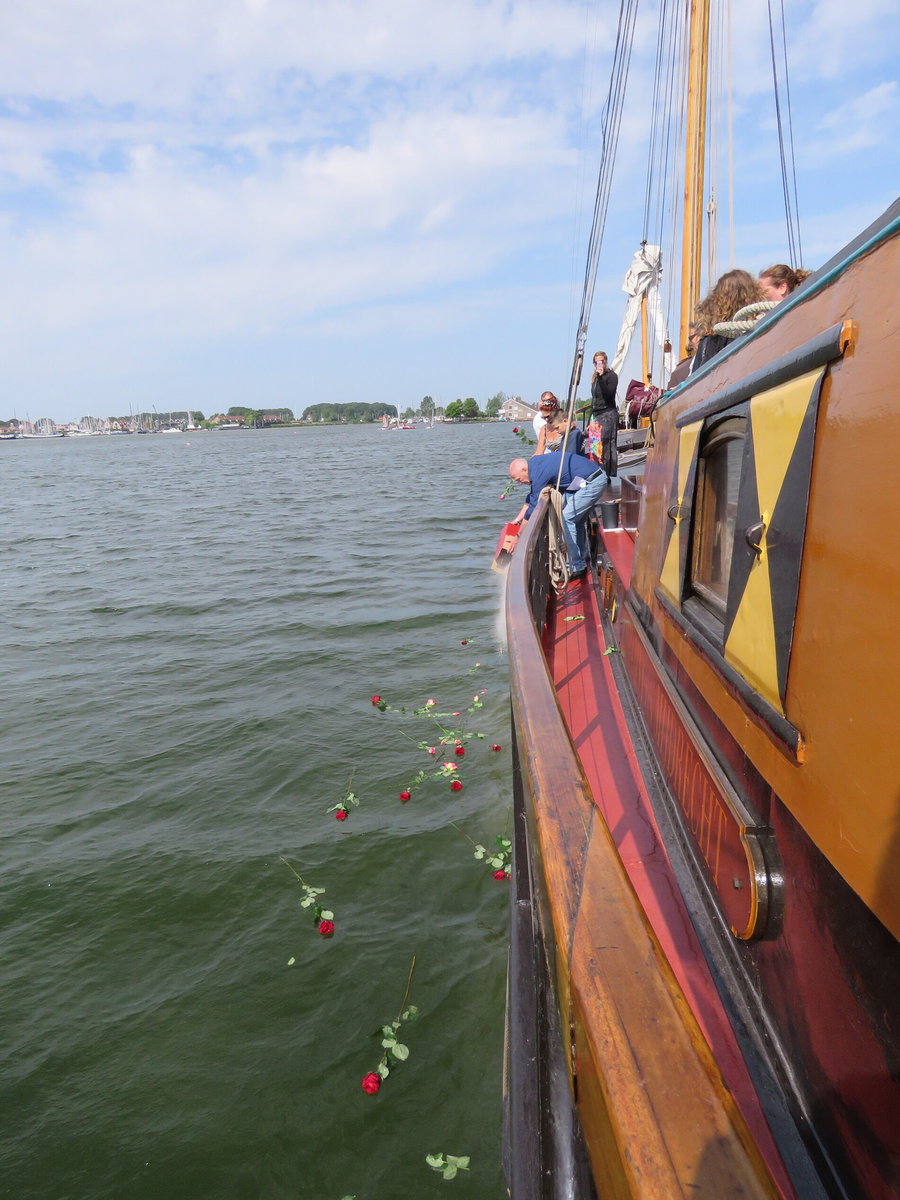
(642, 279)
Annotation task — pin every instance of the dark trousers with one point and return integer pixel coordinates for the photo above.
(608, 420)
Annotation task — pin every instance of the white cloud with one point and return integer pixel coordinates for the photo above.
(187, 181)
(861, 122)
(121, 51)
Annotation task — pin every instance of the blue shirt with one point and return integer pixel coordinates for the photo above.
(543, 469)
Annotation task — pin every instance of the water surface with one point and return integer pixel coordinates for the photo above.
(193, 629)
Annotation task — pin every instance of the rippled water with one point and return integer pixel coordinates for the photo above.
(193, 628)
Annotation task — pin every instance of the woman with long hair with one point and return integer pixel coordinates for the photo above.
(604, 423)
(733, 291)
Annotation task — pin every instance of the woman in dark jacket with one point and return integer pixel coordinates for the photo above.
(604, 424)
(733, 291)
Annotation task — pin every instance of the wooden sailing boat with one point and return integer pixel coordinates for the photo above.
(704, 974)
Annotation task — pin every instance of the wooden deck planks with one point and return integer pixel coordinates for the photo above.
(589, 701)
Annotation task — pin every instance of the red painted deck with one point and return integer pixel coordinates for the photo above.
(590, 704)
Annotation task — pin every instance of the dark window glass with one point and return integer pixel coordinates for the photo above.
(715, 510)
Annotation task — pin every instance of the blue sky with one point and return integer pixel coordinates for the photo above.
(280, 202)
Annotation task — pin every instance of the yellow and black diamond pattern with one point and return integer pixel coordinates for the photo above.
(764, 580)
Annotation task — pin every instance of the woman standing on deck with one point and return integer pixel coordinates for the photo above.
(604, 423)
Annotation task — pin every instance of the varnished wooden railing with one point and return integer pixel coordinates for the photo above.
(657, 1117)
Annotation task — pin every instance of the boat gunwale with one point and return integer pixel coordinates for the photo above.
(628, 986)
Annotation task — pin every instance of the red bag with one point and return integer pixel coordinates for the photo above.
(640, 399)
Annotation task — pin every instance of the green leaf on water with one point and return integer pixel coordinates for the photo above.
(291, 961)
(400, 1052)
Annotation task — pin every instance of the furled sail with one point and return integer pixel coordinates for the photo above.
(642, 280)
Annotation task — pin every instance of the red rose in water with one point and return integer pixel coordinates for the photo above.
(341, 814)
(495, 746)
(404, 796)
(515, 429)
(456, 785)
(326, 928)
(376, 699)
(464, 642)
(499, 873)
(460, 750)
(371, 1083)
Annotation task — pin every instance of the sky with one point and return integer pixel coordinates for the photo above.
(275, 203)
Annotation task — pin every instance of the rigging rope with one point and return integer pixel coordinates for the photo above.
(610, 126)
(791, 208)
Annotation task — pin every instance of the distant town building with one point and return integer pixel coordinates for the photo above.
(514, 408)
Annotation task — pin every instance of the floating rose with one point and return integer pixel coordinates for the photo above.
(450, 766)
(499, 859)
(464, 642)
(429, 703)
(495, 746)
(376, 699)
(515, 429)
(347, 802)
(323, 918)
(405, 795)
(371, 1083)
(460, 751)
(456, 785)
(394, 1051)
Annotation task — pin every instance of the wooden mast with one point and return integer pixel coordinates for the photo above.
(695, 161)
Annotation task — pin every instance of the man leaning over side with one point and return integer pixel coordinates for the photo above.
(582, 484)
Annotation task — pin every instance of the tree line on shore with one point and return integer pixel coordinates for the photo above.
(355, 412)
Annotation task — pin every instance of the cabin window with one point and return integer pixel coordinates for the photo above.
(715, 513)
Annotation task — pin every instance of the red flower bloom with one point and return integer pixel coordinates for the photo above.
(404, 796)
(499, 873)
(375, 699)
(515, 429)
(371, 1083)
(341, 814)
(456, 785)
(326, 928)
(460, 750)
(495, 746)
(464, 642)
